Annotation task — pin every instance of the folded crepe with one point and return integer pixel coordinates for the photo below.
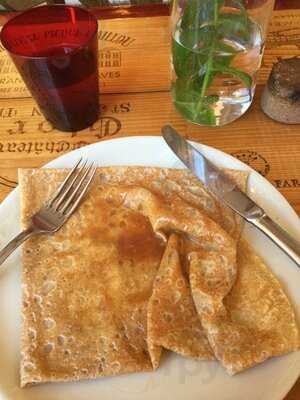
(210, 250)
(147, 251)
(254, 322)
(170, 214)
(173, 322)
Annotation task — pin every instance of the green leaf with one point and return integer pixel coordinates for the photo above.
(189, 103)
(196, 12)
(211, 76)
(186, 109)
(222, 60)
(211, 99)
(199, 12)
(185, 61)
(233, 26)
(225, 48)
(185, 90)
(190, 56)
(205, 116)
(199, 40)
(243, 76)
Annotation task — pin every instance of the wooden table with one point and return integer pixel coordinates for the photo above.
(27, 140)
(273, 149)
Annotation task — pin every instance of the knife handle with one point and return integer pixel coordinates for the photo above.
(279, 236)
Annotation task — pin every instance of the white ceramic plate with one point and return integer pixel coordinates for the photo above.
(177, 378)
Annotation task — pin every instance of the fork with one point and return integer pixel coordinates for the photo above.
(58, 209)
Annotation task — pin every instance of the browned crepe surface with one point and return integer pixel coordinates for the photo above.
(91, 304)
(85, 289)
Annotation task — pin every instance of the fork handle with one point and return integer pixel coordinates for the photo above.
(14, 243)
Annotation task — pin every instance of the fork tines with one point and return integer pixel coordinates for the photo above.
(73, 188)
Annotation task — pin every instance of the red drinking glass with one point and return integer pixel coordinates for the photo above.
(55, 51)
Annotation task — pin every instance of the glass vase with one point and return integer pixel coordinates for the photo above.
(217, 48)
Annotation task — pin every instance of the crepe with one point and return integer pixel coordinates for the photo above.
(210, 252)
(247, 320)
(258, 306)
(166, 183)
(145, 243)
(168, 214)
(172, 317)
(79, 320)
(85, 289)
(173, 201)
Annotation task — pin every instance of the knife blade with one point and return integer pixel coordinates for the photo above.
(228, 193)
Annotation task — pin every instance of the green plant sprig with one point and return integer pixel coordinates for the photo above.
(204, 54)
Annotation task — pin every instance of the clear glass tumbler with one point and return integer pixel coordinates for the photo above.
(217, 48)
(55, 51)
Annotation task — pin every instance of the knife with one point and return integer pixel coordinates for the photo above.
(228, 193)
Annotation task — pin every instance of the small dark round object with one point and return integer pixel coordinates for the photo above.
(281, 95)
